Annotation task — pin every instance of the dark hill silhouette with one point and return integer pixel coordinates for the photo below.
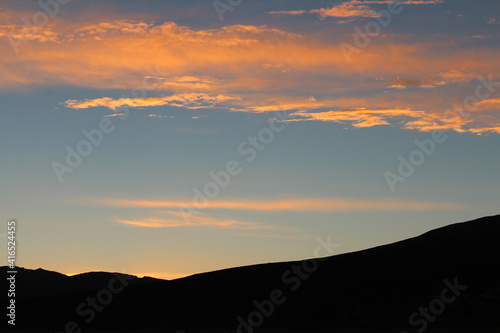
(40, 282)
(375, 288)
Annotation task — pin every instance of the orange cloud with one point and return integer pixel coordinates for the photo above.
(286, 106)
(190, 83)
(178, 219)
(346, 9)
(86, 56)
(16, 32)
(114, 115)
(485, 130)
(187, 100)
(397, 86)
(428, 124)
(188, 215)
(492, 102)
(228, 59)
(105, 28)
(294, 205)
(360, 118)
(155, 222)
(247, 68)
(354, 8)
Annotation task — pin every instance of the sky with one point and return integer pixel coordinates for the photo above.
(167, 138)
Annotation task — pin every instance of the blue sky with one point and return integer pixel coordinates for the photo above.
(184, 94)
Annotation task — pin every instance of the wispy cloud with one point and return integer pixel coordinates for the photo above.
(190, 83)
(287, 12)
(492, 102)
(360, 118)
(485, 130)
(178, 214)
(346, 9)
(176, 220)
(179, 219)
(353, 8)
(450, 76)
(106, 28)
(407, 119)
(113, 115)
(186, 100)
(293, 205)
(41, 34)
(156, 116)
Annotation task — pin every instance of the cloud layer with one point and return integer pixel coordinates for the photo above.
(257, 68)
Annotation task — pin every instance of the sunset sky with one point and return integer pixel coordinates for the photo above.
(166, 138)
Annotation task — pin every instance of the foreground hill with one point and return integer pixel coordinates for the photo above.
(445, 278)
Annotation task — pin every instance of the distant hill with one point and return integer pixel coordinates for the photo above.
(375, 288)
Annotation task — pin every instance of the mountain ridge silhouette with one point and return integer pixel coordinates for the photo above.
(377, 287)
